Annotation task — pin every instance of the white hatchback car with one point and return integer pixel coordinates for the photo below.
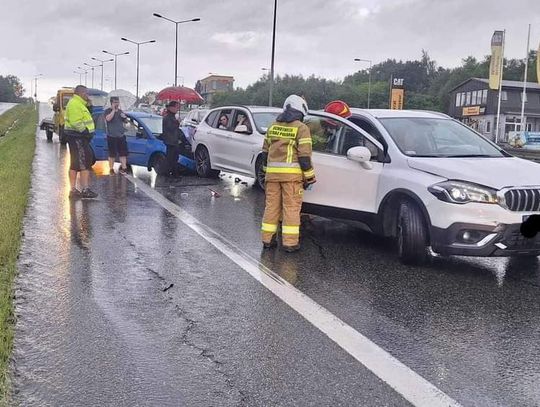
(421, 177)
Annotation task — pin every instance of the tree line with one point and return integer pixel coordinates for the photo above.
(11, 89)
(427, 85)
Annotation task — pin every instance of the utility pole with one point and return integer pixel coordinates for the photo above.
(102, 62)
(176, 40)
(271, 95)
(138, 45)
(115, 63)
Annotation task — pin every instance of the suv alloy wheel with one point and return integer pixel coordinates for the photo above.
(204, 166)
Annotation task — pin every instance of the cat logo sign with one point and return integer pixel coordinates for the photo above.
(396, 94)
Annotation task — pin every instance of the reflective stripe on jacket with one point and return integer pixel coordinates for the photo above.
(77, 116)
(285, 143)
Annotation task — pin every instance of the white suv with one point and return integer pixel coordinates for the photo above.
(421, 177)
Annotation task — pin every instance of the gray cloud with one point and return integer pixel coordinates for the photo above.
(318, 37)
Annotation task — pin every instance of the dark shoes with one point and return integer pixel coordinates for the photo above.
(291, 249)
(288, 249)
(88, 194)
(74, 194)
(271, 244)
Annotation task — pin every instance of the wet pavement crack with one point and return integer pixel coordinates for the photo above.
(319, 246)
(208, 355)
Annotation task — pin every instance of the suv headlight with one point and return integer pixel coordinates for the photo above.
(459, 192)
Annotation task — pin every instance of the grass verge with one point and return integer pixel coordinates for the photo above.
(16, 154)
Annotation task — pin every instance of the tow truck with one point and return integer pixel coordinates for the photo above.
(63, 95)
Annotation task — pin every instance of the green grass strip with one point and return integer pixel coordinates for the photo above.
(16, 155)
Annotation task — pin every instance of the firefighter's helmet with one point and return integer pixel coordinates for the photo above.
(296, 102)
(339, 108)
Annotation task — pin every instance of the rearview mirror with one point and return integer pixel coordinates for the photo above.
(361, 155)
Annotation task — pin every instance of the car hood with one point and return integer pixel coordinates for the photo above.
(492, 172)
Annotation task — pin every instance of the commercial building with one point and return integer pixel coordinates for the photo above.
(209, 86)
(473, 103)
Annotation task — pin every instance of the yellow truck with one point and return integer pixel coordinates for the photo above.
(63, 95)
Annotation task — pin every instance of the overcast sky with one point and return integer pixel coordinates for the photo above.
(321, 37)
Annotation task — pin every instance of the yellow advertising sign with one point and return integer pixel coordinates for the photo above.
(495, 65)
(471, 111)
(396, 100)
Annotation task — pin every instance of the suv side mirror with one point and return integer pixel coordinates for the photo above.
(361, 155)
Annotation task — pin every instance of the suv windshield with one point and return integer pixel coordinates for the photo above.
(427, 137)
(263, 120)
(154, 123)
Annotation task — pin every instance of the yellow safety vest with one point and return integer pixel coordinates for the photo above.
(77, 116)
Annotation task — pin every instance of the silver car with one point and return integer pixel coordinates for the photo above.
(230, 138)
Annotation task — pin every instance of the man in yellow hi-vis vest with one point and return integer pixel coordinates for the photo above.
(79, 129)
(287, 159)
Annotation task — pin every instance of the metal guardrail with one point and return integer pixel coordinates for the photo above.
(532, 155)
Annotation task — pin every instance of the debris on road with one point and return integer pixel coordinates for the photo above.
(168, 287)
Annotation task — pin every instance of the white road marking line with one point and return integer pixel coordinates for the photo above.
(400, 377)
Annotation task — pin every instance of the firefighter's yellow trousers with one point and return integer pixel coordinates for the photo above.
(283, 202)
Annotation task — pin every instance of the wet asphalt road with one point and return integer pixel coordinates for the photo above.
(120, 303)
(5, 107)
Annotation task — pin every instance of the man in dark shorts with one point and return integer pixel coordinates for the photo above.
(79, 129)
(116, 140)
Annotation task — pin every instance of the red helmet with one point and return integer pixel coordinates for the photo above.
(339, 108)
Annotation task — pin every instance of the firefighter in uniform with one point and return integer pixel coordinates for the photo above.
(287, 160)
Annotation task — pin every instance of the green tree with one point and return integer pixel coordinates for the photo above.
(148, 97)
(427, 86)
(11, 89)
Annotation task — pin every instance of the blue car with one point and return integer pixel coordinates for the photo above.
(144, 147)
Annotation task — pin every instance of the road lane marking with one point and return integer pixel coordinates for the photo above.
(409, 384)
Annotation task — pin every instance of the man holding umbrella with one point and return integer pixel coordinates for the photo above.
(172, 137)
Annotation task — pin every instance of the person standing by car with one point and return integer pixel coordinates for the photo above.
(287, 158)
(79, 129)
(116, 140)
(172, 136)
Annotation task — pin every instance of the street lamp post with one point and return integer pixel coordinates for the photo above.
(115, 60)
(92, 69)
(176, 47)
(80, 76)
(35, 86)
(270, 96)
(102, 62)
(138, 45)
(85, 71)
(369, 78)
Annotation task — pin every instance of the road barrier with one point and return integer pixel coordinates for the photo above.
(532, 155)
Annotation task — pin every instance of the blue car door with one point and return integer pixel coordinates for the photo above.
(99, 141)
(137, 138)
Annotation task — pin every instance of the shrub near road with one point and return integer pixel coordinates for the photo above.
(17, 144)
